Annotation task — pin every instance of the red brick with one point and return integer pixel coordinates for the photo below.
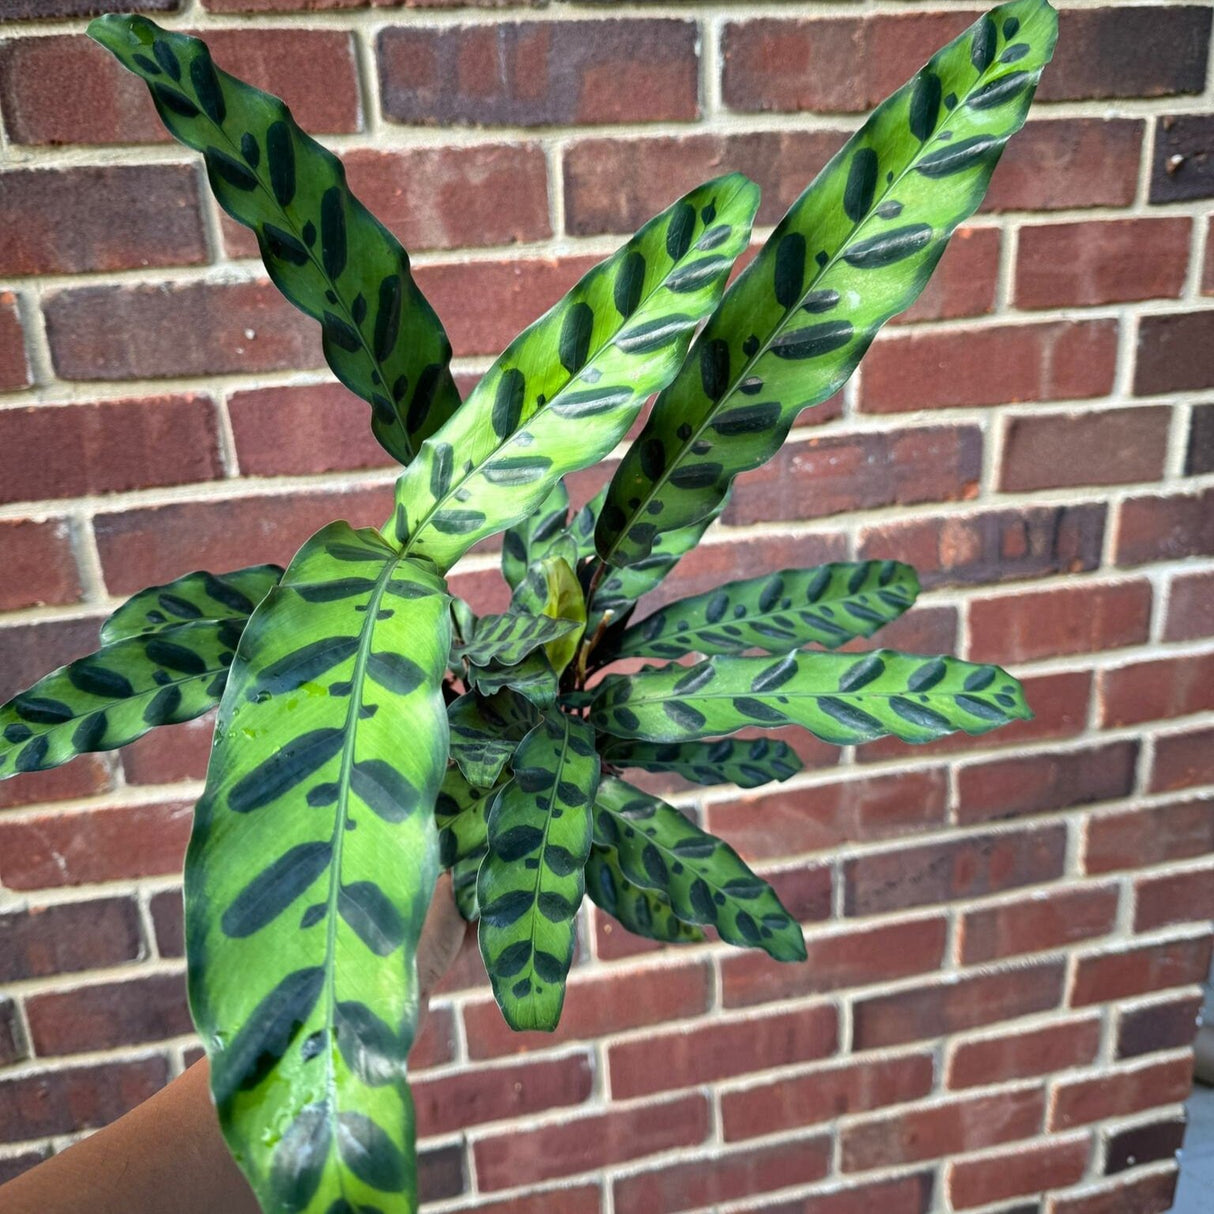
(843, 959)
(1119, 446)
(903, 1195)
(146, 546)
(1149, 691)
(110, 447)
(595, 1006)
(84, 776)
(1190, 607)
(1122, 1091)
(923, 630)
(956, 1004)
(663, 1062)
(1158, 1026)
(28, 651)
(1051, 360)
(47, 940)
(66, 89)
(1060, 710)
(866, 471)
(958, 868)
(454, 1102)
(1138, 838)
(1165, 528)
(1057, 1047)
(33, 10)
(298, 430)
(14, 366)
(1175, 353)
(1186, 897)
(1038, 923)
(171, 753)
(1061, 163)
(39, 566)
(134, 1011)
(585, 1199)
(1183, 760)
(963, 282)
(1102, 977)
(583, 1144)
(13, 1047)
(117, 217)
(994, 546)
(965, 1124)
(434, 1044)
(166, 908)
(1073, 264)
(1041, 783)
(856, 809)
(170, 330)
(93, 845)
(725, 1176)
(76, 1098)
(1074, 619)
(1152, 1194)
(537, 74)
(1025, 1170)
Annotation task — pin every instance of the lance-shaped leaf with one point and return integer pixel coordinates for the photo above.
(463, 836)
(840, 698)
(485, 732)
(581, 526)
(643, 911)
(197, 596)
(552, 589)
(508, 638)
(746, 762)
(323, 249)
(855, 249)
(116, 695)
(311, 866)
(704, 879)
(618, 336)
(533, 678)
(828, 606)
(532, 881)
(530, 539)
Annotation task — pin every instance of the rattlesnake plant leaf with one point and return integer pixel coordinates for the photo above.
(840, 698)
(531, 880)
(581, 526)
(322, 248)
(117, 694)
(530, 539)
(463, 836)
(311, 866)
(533, 678)
(197, 596)
(486, 731)
(704, 879)
(617, 337)
(828, 605)
(855, 249)
(643, 911)
(746, 762)
(508, 638)
(551, 588)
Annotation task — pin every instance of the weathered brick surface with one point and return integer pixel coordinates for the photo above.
(1022, 1171)
(14, 362)
(38, 558)
(47, 940)
(1175, 353)
(1183, 166)
(1036, 923)
(1199, 455)
(979, 1061)
(1160, 528)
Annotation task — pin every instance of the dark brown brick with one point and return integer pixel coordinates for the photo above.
(67, 89)
(934, 873)
(1043, 783)
(1183, 167)
(1043, 1051)
(441, 1173)
(1038, 923)
(14, 365)
(173, 330)
(13, 1046)
(1036, 362)
(1171, 898)
(111, 447)
(1183, 760)
(1150, 1194)
(1119, 1092)
(1102, 977)
(1137, 1146)
(1158, 1026)
(167, 912)
(1165, 528)
(37, 558)
(840, 473)
(42, 10)
(1153, 690)
(1175, 353)
(536, 74)
(11, 1166)
(1190, 607)
(1138, 838)
(49, 940)
(1023, 1170)
(993, 546)
(1199, 457)
(951, 1007)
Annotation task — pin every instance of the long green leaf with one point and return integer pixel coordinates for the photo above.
(508, 638)
(746, 762)
(530, 539)
(643, 911)
(828, 606)
(311, 866)
(704, 879)
(485, 732)
(463, 835)
(617, 337)
(855, 249)
(532, 881)
(840, 698)
(323, 249)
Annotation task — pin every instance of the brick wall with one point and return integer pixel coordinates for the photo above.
(1005, 934)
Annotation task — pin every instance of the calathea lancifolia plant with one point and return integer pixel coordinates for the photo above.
(372, 730)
